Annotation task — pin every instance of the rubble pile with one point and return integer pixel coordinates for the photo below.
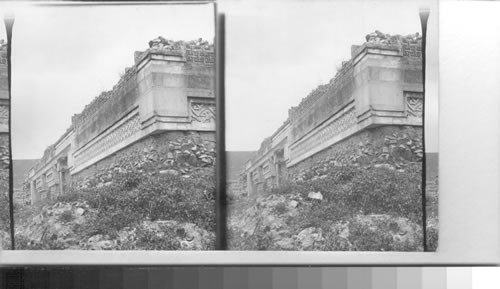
(322, 207)
(276, 222)
(62, 226)
(182, 156)
(79, 220)
(169, 44)
(395, 152)
(386, 38)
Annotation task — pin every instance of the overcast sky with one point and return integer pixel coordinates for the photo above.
(3, 34)
(277, 53)
(63, 57)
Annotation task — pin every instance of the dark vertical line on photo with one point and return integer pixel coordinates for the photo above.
(220, 132)
(424, 16)
(9, 22)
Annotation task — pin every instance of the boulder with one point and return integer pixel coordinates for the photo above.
(308, 237)
(286, 244)
(169, 172)
(315, 195)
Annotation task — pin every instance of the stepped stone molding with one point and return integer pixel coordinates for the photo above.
(340, 124)
(170, 88)
(117, 135)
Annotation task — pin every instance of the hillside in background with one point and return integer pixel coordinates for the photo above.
(236, 161)
(21, 169)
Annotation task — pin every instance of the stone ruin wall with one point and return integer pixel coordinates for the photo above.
(391, 146)
(328, 99)
(140, 117)
(369, 114)
(4, 88)
(4, 147)
(110, 106)
(4, 118)
(169, 151)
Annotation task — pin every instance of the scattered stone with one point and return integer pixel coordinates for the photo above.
(169, 172)
(386, 166)
(308, 237)
(315, 195)
(286, 244)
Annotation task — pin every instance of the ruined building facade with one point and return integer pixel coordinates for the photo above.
(169, 89)
(374, 101)
(4, 109)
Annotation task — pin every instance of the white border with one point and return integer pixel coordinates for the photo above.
(469, 166)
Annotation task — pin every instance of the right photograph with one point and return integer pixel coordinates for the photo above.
(332, 126)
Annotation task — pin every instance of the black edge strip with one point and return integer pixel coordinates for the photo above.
(9, 22)
(424, 16)
(220, 132)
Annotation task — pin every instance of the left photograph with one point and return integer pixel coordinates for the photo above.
(113, 127)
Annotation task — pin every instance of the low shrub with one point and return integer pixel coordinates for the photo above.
(66, 217)
(148, 240)
(280, 208)
(4, 200)
(4, 212)
(364, 239)
(133, 197)
(350, 190)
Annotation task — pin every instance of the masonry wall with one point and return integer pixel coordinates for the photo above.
(4, 89)
(168, 93)
(107, 109)
(391, 145)
(323, 102)
(4, 76)
(165, 150)
(375, 95)
(4, 121)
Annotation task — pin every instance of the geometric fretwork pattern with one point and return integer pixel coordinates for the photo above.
(412, 50)
(342, 123)
(4, 114)
(126, 129)
(203, 112)
(414, 105)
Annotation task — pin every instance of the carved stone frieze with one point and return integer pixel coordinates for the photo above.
(203, 112)
(414, 104)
